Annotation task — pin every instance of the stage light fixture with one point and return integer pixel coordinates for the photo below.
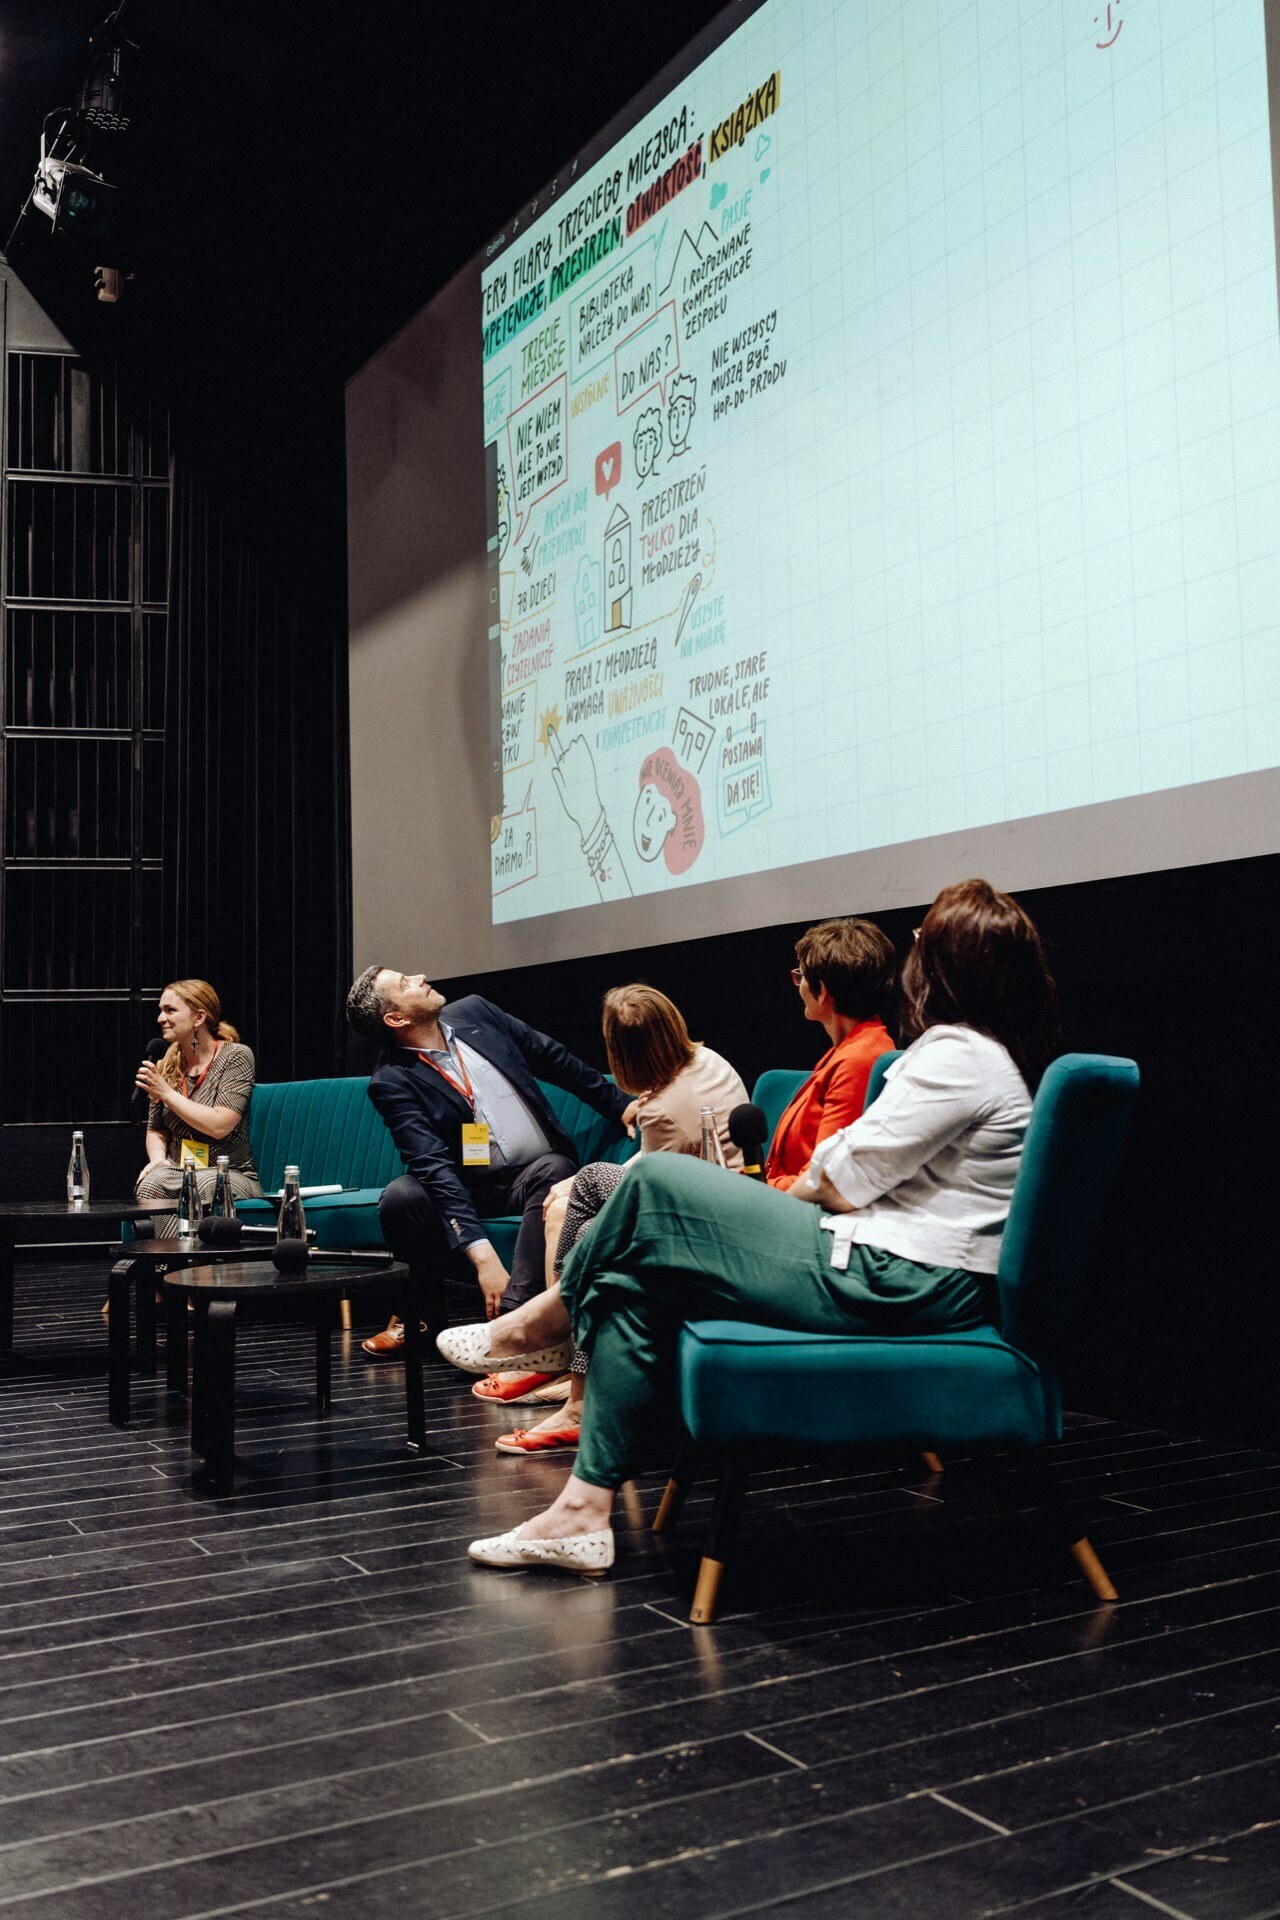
(50, 169)
(77, 200)
(86, 203)
(101, 104)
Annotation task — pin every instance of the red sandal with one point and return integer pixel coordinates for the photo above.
(518, 1389)
(551, 1440)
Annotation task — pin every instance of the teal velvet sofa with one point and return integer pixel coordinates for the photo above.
(332, 1132)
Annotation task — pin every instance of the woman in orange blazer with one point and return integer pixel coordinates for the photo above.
(844, 971)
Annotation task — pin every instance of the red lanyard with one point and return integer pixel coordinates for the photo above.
(192, 1091)
(467, 1091)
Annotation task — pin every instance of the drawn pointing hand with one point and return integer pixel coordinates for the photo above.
(574, 772)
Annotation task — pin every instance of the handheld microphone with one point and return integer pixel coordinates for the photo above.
(290, 1256)
(217, 1232)
(749, 1129)
(155, 1050)
(294, 1257)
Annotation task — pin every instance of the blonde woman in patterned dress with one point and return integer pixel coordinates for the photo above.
(199, 1094)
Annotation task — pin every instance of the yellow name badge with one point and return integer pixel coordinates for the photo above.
(475, 1143)
(199, 1151)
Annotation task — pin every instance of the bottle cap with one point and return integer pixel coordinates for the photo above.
(290, 1170)
(77, 1135)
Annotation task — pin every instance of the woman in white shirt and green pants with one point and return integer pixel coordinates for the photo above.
(900, 1234)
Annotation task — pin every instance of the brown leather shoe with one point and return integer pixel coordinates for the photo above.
(389, 1344)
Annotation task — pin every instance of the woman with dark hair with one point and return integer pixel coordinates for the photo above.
(978, 962)
(674, 1078)
(199, 1102)
(902, 1236)
(843, 973)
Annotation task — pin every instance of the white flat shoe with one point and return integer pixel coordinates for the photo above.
(590, 1553)
(468, 1348)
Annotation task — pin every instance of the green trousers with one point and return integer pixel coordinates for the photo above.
(679, 1241)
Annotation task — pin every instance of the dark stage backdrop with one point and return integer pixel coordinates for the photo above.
(1181, 1320)
(256, 835)
(206, 669)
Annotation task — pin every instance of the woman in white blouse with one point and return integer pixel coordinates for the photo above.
(902, 1233)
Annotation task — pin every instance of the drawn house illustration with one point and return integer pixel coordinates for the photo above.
(617, 571)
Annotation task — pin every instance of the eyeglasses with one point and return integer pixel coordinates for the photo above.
(797, 975)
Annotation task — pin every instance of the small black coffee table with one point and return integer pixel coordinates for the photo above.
(140, 1273)
(59, 1220)
(218, 1291)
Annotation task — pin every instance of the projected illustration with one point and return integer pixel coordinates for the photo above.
(613, 328)
(887, 453)
(573, 773)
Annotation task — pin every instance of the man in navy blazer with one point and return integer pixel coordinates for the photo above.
(457, 1086)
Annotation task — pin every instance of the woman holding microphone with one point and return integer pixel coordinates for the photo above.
(199, 1102)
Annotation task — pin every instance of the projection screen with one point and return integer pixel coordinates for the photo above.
(859, 468)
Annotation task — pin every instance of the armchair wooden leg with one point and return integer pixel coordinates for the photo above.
(676, 1489)
(707, 1592)
(1092, 1569)
(344, 1314)
(669, 1506)
(1025, 1482)
(730, 1489)
(931, 1462)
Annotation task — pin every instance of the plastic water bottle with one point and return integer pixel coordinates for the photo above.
(78, 1172)
(189, 1208)
(292, 1223)
(709, 1147)
(223, 1206)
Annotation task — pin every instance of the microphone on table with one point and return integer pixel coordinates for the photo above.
(295, 1256)
(155, 1050)
(216, 1231)
(221, 1231)
(748, 1130)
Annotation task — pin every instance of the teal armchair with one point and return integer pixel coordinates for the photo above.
(773, 1093)
(993, 1391)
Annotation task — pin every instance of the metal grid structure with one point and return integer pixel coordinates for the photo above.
(85, 563)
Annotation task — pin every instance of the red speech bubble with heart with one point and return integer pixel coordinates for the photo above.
(609, 469)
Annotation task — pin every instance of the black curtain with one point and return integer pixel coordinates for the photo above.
(256, 804)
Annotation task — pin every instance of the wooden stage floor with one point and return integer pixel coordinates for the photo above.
(304, 1700)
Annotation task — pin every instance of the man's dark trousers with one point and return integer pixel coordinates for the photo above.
(411, 1228)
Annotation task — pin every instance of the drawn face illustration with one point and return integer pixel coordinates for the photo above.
(679, 421)
(652, 821)
(647, 441)
(1111, 29)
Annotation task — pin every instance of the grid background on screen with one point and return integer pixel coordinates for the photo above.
(1008, 531)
